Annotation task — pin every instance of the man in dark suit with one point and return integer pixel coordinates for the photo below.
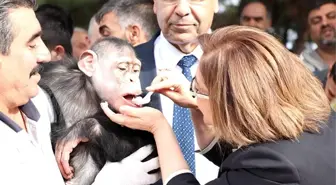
(175, 49)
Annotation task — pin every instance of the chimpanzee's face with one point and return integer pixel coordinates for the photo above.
(116, 78)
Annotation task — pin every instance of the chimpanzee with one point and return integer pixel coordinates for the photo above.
(109, 71)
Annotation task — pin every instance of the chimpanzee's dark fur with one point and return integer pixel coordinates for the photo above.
(78, 114)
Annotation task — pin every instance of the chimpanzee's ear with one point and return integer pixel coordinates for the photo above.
(87, 62)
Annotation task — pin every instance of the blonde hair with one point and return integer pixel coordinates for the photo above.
(259, 91)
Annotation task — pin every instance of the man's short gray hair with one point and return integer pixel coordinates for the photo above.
(131, 12)
(7, 33)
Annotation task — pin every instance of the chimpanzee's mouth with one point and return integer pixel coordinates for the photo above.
(129, 97)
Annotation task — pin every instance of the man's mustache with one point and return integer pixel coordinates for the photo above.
(36, 69)
(327, 27)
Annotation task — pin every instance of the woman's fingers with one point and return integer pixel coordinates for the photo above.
(117, 118)
(164, 85)
(135, 118)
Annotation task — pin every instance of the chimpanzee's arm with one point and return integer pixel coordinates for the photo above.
(88, 128)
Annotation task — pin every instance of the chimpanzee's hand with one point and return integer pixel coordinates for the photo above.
(130, 170)
(63, 150)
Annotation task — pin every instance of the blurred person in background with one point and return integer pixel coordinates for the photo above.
(57, 30)
(131, 20)
(93, 30)
(79, 41)
(321, 21)
(255, 13)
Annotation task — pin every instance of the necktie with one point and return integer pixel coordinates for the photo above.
(182, 124)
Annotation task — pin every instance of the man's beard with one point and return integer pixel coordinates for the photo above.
(328, 42)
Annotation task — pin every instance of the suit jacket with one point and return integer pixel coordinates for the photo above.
(145, 53)
(310, 160)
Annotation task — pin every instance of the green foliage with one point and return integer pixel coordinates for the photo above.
(81, 10)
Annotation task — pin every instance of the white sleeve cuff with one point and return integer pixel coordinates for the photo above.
(171, 176)
(209, 147)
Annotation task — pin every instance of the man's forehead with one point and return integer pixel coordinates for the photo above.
(253, 9)
(17, 13)
(79, 34)
(24, 19)
(109, 17)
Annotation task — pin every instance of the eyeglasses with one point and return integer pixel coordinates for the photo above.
(195, 92)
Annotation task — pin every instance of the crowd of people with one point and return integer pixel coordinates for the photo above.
(230, 106)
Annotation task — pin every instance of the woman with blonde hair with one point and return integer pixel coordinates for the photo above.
(258, 114)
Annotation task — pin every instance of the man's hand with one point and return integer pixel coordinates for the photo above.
(62, 153)
(130, 170)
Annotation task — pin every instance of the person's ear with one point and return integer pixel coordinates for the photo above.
(87, 62)
(154, 6)
(58, 52)
(133, 34)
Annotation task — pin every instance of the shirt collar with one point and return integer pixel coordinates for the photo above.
(170, 54)
(28, 109)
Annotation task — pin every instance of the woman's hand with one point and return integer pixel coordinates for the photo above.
(175, 86)
(146, 118)
(170, 156)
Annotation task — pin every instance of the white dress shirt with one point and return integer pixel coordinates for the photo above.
(166, 57)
